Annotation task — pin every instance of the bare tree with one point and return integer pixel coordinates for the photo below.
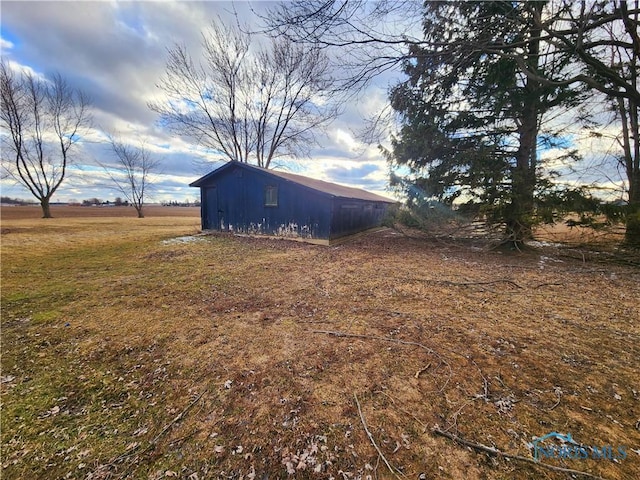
(250, 105)
(132, 172)
(43, 121)
(623, 48)
(608, 44)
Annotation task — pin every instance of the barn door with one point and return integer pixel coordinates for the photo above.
(211, 215)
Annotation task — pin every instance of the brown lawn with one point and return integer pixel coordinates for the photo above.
(134, 349)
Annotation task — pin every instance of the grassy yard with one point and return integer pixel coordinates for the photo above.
(137, 349)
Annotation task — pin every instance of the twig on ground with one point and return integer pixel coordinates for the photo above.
(406, 412)
(453, 423)
(185, 437)
(558, 393)
(549, 285)
(485, 384)
(375, 469)
(373, 442)
(179, 417)
(499, 453)
(154, 441)
(491, 282)
(391, 340)
(422, 370)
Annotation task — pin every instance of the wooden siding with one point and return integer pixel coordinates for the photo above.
(247, 200)
(236, 202)
(351, 216)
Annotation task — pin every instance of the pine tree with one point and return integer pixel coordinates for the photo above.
(471, 122)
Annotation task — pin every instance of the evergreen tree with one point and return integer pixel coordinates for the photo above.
(483, 82)
(471, 121)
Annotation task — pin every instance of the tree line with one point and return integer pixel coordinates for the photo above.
(14, 201)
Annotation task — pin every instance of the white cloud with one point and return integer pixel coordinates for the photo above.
(24, 69)
(5, 45)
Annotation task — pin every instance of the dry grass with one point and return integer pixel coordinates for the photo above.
(126, 354)
(560, 232)
(65, 211)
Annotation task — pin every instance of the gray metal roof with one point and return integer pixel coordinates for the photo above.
(319, 185)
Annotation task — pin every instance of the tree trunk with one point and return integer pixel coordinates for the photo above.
(519, 218)
(631, 135)
(632, 233)
(46, 209)
(631, 147)
(139, 210)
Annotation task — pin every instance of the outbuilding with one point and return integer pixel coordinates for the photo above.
(245, 199)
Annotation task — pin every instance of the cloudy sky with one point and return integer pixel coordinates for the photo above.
(116, 53)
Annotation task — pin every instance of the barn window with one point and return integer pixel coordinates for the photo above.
(270, 196)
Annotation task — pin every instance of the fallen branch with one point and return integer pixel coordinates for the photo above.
(550, 285)
(499, 453)
(492, 282)
(373, 442)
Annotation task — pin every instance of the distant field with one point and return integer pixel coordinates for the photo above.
(577, 235)
(136, 348)
(65, 211)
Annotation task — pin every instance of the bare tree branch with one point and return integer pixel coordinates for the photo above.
(248, 105)
(132, 172)
(44, 120)
(499, 453)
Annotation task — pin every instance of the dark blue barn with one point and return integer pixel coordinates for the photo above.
(241, 198)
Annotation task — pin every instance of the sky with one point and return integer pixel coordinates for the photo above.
(116, 52)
